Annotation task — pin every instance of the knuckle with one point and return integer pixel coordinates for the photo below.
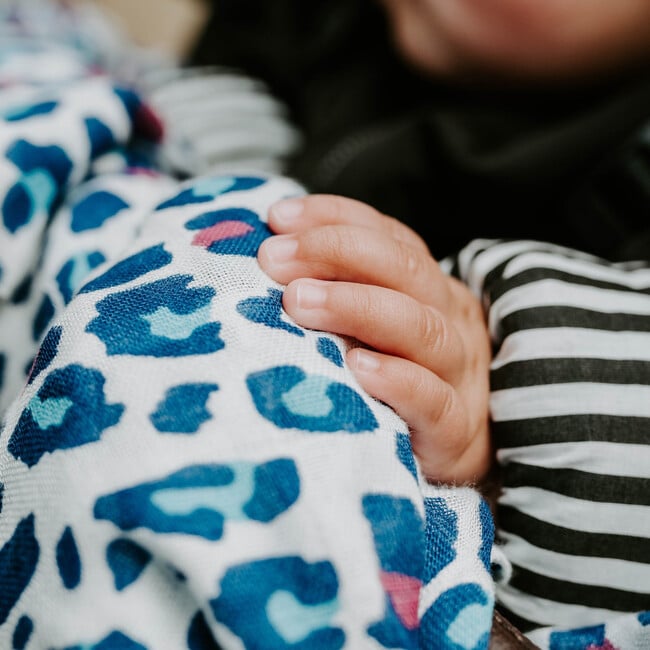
(446, 402)
(410, 261)
(320, 245)
(433, 330)
(331, 245)
(469, 306)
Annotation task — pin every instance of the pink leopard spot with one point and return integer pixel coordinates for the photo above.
(221, 230)
(404, 593)
(148, 123)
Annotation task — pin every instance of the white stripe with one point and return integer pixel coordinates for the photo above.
(592, 571)
(221, 113)
(548, 612)
(609, 458)
(194, 84)
(578, 514)
(630, 277)
(474, 269)
(249, 139)
(551, 400)
(557, 293)
(572, 342)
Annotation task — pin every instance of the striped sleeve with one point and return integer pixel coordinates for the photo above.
(570, 409)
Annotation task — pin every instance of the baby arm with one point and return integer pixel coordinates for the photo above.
(425, 348)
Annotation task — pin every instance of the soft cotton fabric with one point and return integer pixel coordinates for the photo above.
(180, 464)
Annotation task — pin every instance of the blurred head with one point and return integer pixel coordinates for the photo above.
(521, 38)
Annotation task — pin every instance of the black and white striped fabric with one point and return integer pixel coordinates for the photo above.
(570, 406)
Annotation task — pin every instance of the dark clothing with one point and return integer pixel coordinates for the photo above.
(567, 165)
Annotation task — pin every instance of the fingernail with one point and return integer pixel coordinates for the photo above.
(287, 212)
(310, 294)
(281, 248)
(365, 361)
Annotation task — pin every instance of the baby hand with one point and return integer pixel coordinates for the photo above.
(358, 273)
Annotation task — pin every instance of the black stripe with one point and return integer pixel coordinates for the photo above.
(538, 317)
(494, 275)
(572, 542)
(571, 428)
(536, 274)
(604, 488)
(454, 269)
(538, 372)
(563, 591)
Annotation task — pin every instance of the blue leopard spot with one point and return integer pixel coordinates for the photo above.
(146, 125)
(138, 506)
(199, 635)
(289, 398)
(18, 560)
(328, 349)
(644, 618)
(267, 310)
(135, 266)
(470, 628)
(441, 536)
(68, 411)
(51, 158)
(18, 113)
(127, 560)
(22, 290)
(33, 193)
(50, 412)
(391, 632)
(183, 408)
(398, 535)
(22, 632)
(207, 189)
(578, 638)
(43, 317)
(130, 100)
(404, 451)
(160, 319)
(460, 618)
(114, 641)
(75, 271)
(46, 353)
(295, 621)
(68, 560)
(93, 210)
(398, 532)
(487, 534)
(281, 603)
(165, 323)
(198, 499)
(276, 489)
(139, 156)
(17, 207)
(47, 413)
(100, 137)
(233, 231)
